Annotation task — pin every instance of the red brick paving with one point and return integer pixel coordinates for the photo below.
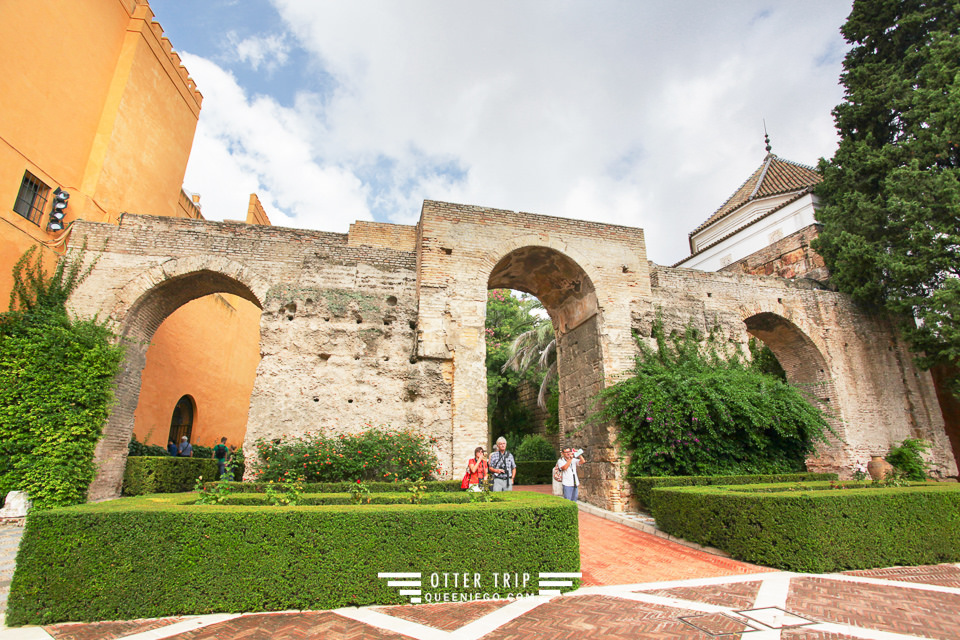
(581, 617)
(612, 553)
(446, 616)
(290, 626)
(886, 608)
(105, 630)
(738, 595)
(944, 575)
(717, 624)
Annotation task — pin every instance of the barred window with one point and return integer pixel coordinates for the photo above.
(32, 198)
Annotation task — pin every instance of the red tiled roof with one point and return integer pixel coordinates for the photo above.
(775, 176)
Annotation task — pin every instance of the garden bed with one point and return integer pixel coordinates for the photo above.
(816, 526)
(160, 555)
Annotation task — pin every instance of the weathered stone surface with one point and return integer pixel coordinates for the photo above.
(15, 505)
(386, 326)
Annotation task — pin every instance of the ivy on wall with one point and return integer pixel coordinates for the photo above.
(690, 409)
(56, 385)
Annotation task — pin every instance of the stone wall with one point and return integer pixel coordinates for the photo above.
(355, 333)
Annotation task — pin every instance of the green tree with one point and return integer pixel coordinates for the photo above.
(891, 193)
(689, 409)
(508, 316)
(535, 350)
(56, 386)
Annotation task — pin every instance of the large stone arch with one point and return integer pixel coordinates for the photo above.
(808, 370)
(569, 296)
(138, 311)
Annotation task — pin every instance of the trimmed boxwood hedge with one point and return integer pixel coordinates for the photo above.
(642, 485)
(535, 472)
(157, 555)
(816, 528)
(165, 474)
(432, 486)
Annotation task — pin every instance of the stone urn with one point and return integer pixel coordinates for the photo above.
(878, 468)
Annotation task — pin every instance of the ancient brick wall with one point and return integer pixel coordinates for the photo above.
(382, 234)
(337, 327)
(852, 361)
(354, 332)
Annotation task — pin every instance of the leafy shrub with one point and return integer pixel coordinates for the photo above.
(138, 448)
(376, 454)
(56, 386)
(642, 486)
(907, 457)
(147, 474)
(535, 447)
(690, 410)
(162, 556)
(813, 527)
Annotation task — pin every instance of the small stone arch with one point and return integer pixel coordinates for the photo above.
(806, 368)
(141, 307)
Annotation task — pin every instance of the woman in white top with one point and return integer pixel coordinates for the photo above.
(568, 465)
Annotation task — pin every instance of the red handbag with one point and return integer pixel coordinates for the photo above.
(465, 484)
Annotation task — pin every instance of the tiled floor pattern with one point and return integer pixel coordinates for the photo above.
(945, 575)
(106, 630)
(448, 617)
(762, 606)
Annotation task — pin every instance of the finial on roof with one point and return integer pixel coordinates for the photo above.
(766, 136)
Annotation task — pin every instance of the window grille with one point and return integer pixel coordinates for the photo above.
(32, 198)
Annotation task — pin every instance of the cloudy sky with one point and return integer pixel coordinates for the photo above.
(635, 112)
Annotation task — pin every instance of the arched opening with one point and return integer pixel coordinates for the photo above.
(568, 296)
(209, 348)
(181, 420)
(138, 327)
(805, 368)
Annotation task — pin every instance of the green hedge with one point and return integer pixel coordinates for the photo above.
(432, 486)
(643, 485)
(535, 472)
(816, 528)
(158, 555)
(149, 474)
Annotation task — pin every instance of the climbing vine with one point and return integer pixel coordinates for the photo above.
(56, 385)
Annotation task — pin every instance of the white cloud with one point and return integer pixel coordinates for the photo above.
(639, 113)
(271, 51)
(253, 145)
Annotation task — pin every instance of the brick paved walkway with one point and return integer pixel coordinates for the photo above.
(635, 586)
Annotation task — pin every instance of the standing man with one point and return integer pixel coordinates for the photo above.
(220, 452)
(185, 450)
(568, 466)
(502, 466)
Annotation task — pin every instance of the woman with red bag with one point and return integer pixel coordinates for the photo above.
(476, 470)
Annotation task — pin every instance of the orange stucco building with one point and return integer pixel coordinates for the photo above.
(94, 102)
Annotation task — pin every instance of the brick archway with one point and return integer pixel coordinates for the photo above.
(806, 369)
(568, 294)
(152, 297)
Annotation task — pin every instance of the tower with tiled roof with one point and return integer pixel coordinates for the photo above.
(765, 227)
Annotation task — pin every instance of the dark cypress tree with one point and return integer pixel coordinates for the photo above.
(891, 194)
